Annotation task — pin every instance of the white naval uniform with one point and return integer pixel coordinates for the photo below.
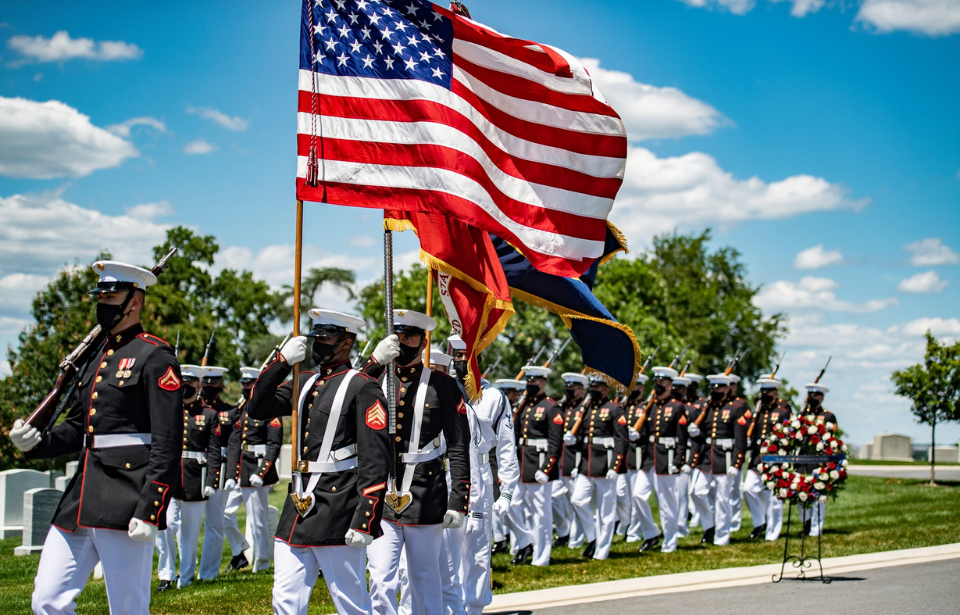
(764, 507)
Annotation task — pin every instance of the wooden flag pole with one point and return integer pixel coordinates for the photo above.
(426, 351)
(295, 397)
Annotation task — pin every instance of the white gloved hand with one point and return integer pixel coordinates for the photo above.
(230, 484)
(541, 478)
(731, 471)
(453, 519)
(692, 430)
(208, 491)
(295, 350)
(686, 469)
(357, 539)
(141, 531)
(256, 481)
(24, 435)
(501, 506)
(387, 350)
(634, 434)
(473, 524)
(673, 470)
(569, 439)
(574, 472)
(611, 474)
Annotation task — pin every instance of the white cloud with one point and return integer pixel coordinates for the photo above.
(60, 48)
(802, 8)
(815, 293)
(4, 369)
(816, 258)
(931, 252)
(651, 112)
(41, 232)
(737, 7)
(198, 147)
(923, 283)
(361, 241)
(938, 327)
(692, 191)
(930, 17)
(208, 113)
(123, 129)
(17, 291)
(52, 139)
(149, 211)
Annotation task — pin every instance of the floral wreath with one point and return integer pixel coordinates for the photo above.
(804, 435)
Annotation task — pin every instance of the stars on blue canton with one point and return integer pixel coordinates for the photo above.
(387, 39)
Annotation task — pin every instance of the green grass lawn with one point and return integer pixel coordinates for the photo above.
(872, 514)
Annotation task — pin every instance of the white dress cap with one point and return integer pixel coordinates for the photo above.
(769, 383)
(409, 318)
(574, 378)
(817, 388)
(734, 379)
(214, 372)
(642, 378)
(440, 358)
(681, 381)
(249, 373)
(337, 319)
(537, 371)
(506, 384)
(665, 372)
(114, 276)
(192, 371)
(719, 379)
(694, 377)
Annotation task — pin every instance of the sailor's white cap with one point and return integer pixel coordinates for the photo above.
(664, 372)
(249, 373)
(417, 320)
(694, 377)
(114, 276)
(440, 358)
(191, 372)
(681, 381)
(506, 384)
(330, 318)
(769, 383)
(817, 388)
(455, 342)
(575, 378)
(214, 372)
(536, 371)
(719, 379)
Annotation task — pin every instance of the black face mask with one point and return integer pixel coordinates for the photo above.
(570, 392)
(678, 394)
(596, 396)
(717, 396)
(814, 403)
(322, 353)
(461, 368)
(246, 393)
(189, 391)
(533, 389)
(767, 398)
(407, 354)
(660, 389)
(109, 316)
(636, 394)
(209, 393)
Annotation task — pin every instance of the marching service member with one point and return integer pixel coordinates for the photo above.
(126, 421)
(690, 397)
(667, 435)
(813, 515)
(539, 427)
(569, 531)
(220, 518)
(251, 464)
(642, 526)
(335, 506)
(765, 508)
(510, 525)
(199, 474)
(431, 420)
(605, 441)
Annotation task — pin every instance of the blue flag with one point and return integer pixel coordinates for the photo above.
(608, 348)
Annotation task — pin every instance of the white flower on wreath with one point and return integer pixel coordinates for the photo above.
(771, 485)
(834, 474)
(819, 486)
(823, 499)
(812, 430)
(803, 496)
(783, 492)
(844, 463)
(794, 484)
(795, 424)
(785, 466)
(820, 446)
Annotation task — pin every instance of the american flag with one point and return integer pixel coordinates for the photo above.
(405, 105)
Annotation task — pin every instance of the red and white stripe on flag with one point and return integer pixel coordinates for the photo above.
(452, 117)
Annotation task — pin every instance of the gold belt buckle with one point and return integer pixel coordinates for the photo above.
(303, 467)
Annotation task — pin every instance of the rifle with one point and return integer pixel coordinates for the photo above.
(646, 365)
(653, 394)
(75, 363)
(730, 367)
(523, 398)
(756, 410)
(806, 403)
(206, 351)
(687, 366)
(366, 347)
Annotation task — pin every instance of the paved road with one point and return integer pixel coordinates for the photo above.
(929, 588)
(946, 473)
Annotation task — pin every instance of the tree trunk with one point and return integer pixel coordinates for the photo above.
(933, 452)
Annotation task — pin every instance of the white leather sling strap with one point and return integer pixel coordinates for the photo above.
(414, 454)
(324, 462)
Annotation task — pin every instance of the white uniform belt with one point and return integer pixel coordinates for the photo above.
(340, 460)
(540, 443)
(431, 451)
(198, 455)
(114, 440)
(724, 443)
(668, 442)
(260, 450)
(606, 442)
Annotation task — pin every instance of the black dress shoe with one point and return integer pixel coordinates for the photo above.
(238, 562)
(164, 586)
(500, 547)
(561, 541)
(650, 543)
(591, 549)
(806, 527)
(522, 555)
(759, 532)
(708, 536)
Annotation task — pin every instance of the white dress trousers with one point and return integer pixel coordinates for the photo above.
(598, 520)
(296, 573)
(668, 501)
(255, 500)
(726, 491)
(538, 501)
(642, 490)
(421, 544)
(220, 522)
(702, 492)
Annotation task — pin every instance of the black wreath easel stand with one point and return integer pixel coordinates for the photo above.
(804, 561)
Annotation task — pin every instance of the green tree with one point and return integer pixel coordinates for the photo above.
(312, 283)
(933, 388)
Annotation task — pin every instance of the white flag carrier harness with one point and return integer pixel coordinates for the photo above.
(416, 455)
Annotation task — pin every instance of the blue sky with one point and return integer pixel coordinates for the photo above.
(784, 125)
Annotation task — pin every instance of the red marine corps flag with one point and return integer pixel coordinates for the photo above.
(408, 106)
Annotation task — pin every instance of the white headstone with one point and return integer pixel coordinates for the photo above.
(866, 451)
(62, 482)
(13, 484)
(283, 462)
(38, 508)
(945, 454)
(892, 447)
(273, 520)
(71, 468)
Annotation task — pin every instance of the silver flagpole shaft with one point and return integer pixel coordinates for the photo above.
(388, 315)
